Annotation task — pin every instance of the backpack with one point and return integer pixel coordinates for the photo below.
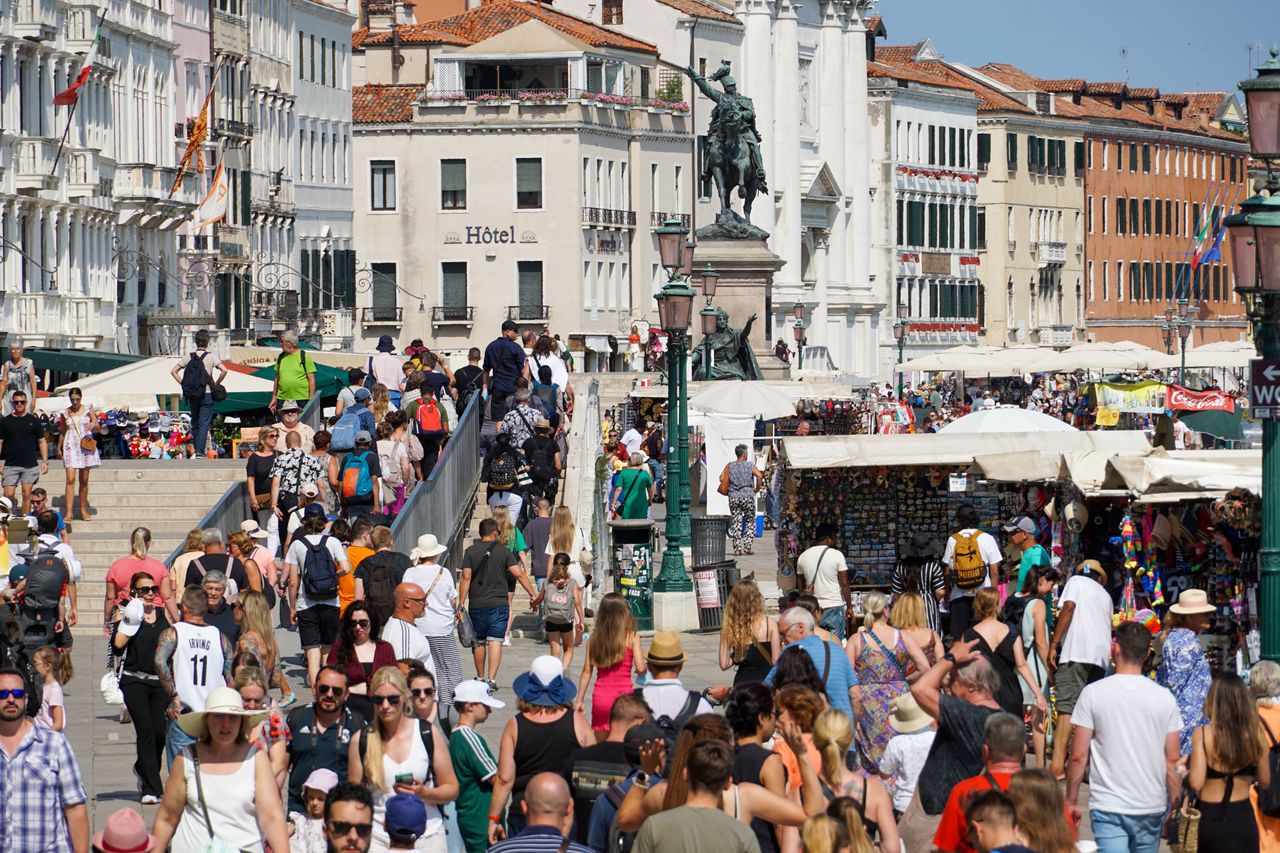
(503, 471)
(195, 377)
(379, 591)
(542, 459)
(558, 603)
(464, 394)
(357, 482)
(966, 560)
(429, 418)
(319, 572)
(47, 575)
(1015, 606)
(1269, 797)
(619, 841)
(671, 726)
(343, 434)
(13, 654)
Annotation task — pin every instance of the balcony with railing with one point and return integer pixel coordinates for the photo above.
(658, 218)
(36, 20)
(145, 185)
(86, 171)
(381, 315)
(1055, 335)
(529, 312)
(35, 164)
(233, 127)
(605, 217)
(271, 191)
(1051, 253)
(445, 314)
(557, 106)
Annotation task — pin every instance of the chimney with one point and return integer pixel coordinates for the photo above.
(1204, 121)
(1160, 109)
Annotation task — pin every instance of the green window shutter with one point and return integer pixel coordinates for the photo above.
(529, 284)
(453, 280)
(453, 184)
(383, 294)
(915, 223)
(984, 150)
(1011, 141)
(529, 182)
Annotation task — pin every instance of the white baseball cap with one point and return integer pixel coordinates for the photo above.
(475, 690)
(131, 617)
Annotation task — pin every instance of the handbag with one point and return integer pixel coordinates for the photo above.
(88, 444)
(1187, 830)
(723, 488)
(215, 844)
(466, 631)
(109, 686)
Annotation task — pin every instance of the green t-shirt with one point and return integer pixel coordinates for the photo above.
(635, 498)
(488, 577)
(475, 768)
(516, 543)
(293, 370)
(1036, 555)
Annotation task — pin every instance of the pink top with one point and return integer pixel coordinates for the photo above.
(611, 682)
(266, 563)
(123, 570)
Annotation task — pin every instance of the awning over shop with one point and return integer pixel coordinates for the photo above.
(82, 361)
(597, 343)
(329, 380)
(147, 385)
(1205, 471)
(870, 451)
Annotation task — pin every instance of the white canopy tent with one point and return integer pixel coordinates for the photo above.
(1222, 355)
(146, 386)
(1006, 419)
(977, 360)
(739, 397)
(1118, 355)
(869, 451)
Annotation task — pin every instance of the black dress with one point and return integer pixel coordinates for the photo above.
(1225, 826)
(1004, 663)
(748, 761)
(754, 667)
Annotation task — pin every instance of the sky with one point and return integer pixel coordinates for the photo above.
(1174, 45)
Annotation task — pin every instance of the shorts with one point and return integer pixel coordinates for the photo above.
(318, 626)
(559, 627)
(1070, 679)
(13, 475)
(490, 623)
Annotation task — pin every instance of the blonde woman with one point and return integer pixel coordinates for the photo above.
(910, 615)
(748, 638)
(257, 636)
(1041, 817)
(381, 403)
(192, 548)
(568, 538)
(613, 649)
(510, 535)
(833, 734)
(880, 658)
(390, 757)
(271, 735)
(824, 834)
(121, 573)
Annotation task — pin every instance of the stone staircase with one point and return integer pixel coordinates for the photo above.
(168, 497)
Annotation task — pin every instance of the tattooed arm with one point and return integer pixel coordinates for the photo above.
(165, 647)
(228, 654)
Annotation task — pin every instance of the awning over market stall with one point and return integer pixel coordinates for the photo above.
(867, 451)
(148, 386)
(82, 361)
(1210, 471)
(977, 360)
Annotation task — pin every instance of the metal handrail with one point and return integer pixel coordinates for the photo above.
(226, 515)
(313, 413)
(442, 505)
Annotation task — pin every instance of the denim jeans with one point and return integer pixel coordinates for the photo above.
(1126, 833)
(201, 418)
(833, 620)
(176, 740)
(659, 475)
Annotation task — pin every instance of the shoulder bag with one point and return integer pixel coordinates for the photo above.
(215, 844)
(723, 488)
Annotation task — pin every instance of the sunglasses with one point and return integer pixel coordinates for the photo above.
(17, 403)
(15, 693)
(422, 600)
(360, 623)
(423, 692)
(326, 689)
(144, 590)
(344, 827)
(387, 700)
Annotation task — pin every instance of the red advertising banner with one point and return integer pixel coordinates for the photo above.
(1186, 400)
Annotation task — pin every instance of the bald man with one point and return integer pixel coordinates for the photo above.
(401, 630)
(548, 814)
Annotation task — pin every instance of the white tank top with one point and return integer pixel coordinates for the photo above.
(197, 663)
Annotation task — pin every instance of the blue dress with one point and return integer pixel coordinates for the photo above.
(1184, 670)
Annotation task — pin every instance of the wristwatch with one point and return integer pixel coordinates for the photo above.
(642, 779)
(950, 658)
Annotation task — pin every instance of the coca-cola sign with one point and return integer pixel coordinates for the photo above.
(1186, 400)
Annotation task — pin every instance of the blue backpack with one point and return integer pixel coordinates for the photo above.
(357, 482)
(343, 434)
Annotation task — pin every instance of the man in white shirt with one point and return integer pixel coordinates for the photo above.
(665, 695)
(1181, 432)
(824, 572)
(1083, 634)
(316, 618)
(988, 402)
(401, 630)
(1126, 728)
(960, 568)
(632, 439)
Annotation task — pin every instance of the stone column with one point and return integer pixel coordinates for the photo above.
(820, 332)
(784, 174)
(831, 125)
(755, 80)
(858, 181)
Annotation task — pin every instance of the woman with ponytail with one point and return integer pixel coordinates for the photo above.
(881, 657)
(121, 573)
(833, 735)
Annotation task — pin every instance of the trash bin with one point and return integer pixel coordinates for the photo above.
(709, 534)
(633, 566)
(711, 584)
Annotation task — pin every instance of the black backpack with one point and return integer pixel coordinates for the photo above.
(1269, 797)
(541, 452)
(504, 469)
(1014, 608)
(619, 841)
(195, 377)
(319, 574)
(379, 591)
(13, 654)
(671, 726)
(47, 575)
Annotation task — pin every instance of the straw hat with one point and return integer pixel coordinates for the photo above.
(907, 716)
(124, 832)
(223, 700)
(666, 650)
(1191, 602)
(428, 546)
(251, 529)
(1095, 567)
(1077, 516)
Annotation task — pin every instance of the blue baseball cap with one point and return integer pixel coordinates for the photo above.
(406, 818)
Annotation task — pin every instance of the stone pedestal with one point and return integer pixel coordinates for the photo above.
(675, 611)
(746, 270)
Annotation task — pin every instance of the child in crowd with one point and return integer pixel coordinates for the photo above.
(562, 607)
(307, 830)
(55, 669)
(473, 763)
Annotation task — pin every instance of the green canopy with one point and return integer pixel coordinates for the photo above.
(1225, 425)
(329, 380)
(81, 361)
(236, 402)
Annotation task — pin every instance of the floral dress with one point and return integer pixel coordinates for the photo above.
(1184, 670)
(882, 673)
(77, 426)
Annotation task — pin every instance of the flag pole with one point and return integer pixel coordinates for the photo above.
(102, 15)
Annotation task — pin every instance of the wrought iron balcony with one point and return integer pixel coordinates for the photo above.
(529, 312)
(381, 315)
(452, 314)
(657, 218)
(605, 216)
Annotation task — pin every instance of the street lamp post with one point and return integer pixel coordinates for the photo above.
(798, 332)
(900, 328)
(1185, 323)
(675, 305)
(1255, 256)
(707, 316)
(1167, 330)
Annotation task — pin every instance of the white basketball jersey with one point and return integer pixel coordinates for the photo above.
(197, 663)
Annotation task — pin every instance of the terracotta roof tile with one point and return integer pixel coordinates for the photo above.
(379, 104)
(1104, 88)
(698, 9)
(912, 73)
(1175, 99)
(358, 37)
(875, 25)
(498, 16)
(896, 54)
(416, 34)
(1072, 84)
(1143, 93)
(1204, 101)
(989, 100)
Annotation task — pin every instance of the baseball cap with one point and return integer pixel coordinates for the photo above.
(406, 818)
(637, 736)
(363, 437)
(315, 511)
(309, 490)
(475, 690)
(130, 616)
(362, 394)
(1023, 523)
(510, 326)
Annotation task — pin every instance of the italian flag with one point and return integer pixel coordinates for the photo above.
(68, 96)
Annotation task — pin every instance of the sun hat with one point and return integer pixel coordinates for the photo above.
(908, 716)
(923, 546)
(385, 344)
(406, 818)
(542, 423)
(666, 649)
(251, 529)
(288, 406)
(323, 780)
(544, 684)
(6, 506)
(131, 617)
(475, 690)
(309, 490)
(1191, 602)
(222, 700)
(428, 546)
(124, 832)
(1095, 567)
